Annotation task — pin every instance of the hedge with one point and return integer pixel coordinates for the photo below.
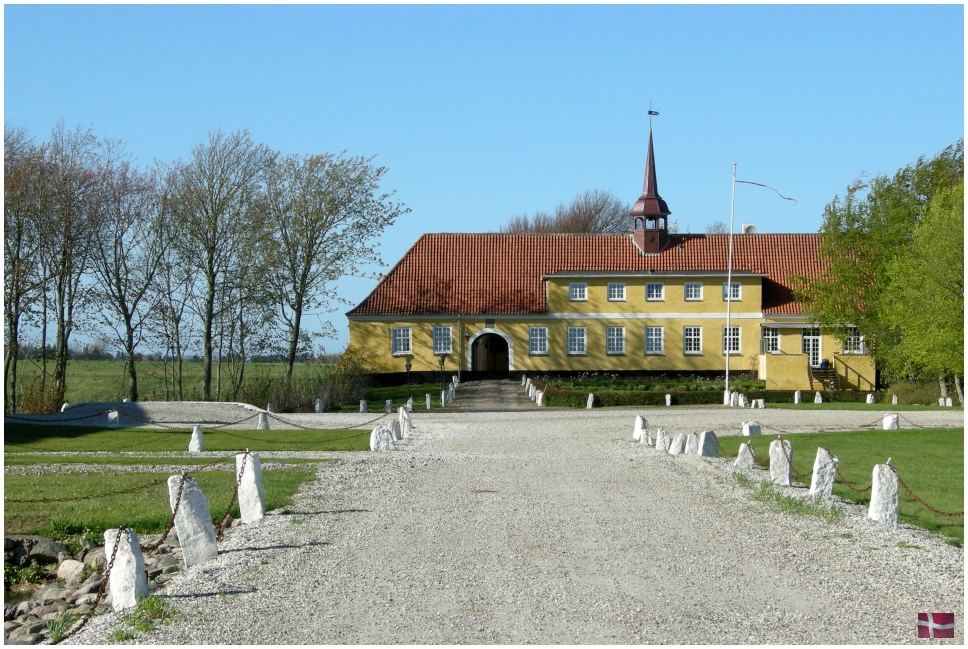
(603, 398)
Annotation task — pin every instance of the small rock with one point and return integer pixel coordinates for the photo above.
(70, 571)
(95, 558)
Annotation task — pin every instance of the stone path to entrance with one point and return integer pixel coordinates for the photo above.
(554, 527)
(491, 396)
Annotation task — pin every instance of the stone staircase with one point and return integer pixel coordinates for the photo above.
(824, 379)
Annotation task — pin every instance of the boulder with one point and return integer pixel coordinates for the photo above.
(70, 571)
(678, 445)
(248, 475)
(891, 421)
(46, 551)
(692, 444)
(127, 581)
(780, 471)
(751, 428)
(708, 446)
(824, 474)
(662, 440)
(883, 507)
(745, 458)
(638, 428)
(193, 522)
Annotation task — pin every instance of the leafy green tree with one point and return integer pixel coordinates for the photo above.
(863, 232)
(926, 302)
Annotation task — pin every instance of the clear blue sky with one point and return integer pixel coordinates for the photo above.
(484, 112)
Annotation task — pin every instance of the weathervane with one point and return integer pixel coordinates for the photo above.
(651, 113)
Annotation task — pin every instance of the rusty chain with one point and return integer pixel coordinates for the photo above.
(919, 501)
(100, 592)
(171, 521)
(220, 528)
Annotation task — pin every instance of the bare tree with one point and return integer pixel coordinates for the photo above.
(212, 203)
(69, 213)
(717, 227)
(126, 256)
(326, 212)
(22, 274)
(591, 212)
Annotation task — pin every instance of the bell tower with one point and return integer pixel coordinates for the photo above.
(650, 213)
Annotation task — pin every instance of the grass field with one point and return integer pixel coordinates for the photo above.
(873, 407)
(929, 461)
(107, 380)
(146, 508)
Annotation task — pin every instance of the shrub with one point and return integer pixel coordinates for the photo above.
(40, 398)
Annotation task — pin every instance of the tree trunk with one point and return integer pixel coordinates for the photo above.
(961, 396)
(129, 351)
(943, 381)
(207, 324)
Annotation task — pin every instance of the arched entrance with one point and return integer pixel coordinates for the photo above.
(490, 353)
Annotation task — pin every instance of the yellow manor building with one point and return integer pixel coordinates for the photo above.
(646, 302)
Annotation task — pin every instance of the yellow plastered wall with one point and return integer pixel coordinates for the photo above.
(855, 371)
(673, 295)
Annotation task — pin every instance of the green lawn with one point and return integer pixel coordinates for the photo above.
(107, 380)
(23, 438)
(873, 407)
(929, 461)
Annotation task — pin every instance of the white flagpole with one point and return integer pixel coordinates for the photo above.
(729, 286)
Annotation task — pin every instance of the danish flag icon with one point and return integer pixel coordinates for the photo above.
(936, 625)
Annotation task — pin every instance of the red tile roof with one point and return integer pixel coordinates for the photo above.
(501, 274)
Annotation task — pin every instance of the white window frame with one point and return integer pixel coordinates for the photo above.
(854, 343)
(692, 285)
(577, 341)
(443, 340)
(616, 291)
(578, 291)
(735, 335)
(737, 292)
(691, 334)
(649, 289)
(654, 341)
(771, 340)
(614, 341)
(538, 341)
(401, 341)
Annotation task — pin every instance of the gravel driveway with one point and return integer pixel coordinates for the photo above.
(554, 527)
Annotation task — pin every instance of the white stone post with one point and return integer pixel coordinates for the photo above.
(263, 421)
(410, 404)
(678, 445)
(751, 428)
(668, 400)
(524, 379)
(428, 401)
(708, 446)
(193, 521)
(388, 406)
(591, 399)
(744, 459)
(893, 399)
(870, 398)
(761, 403)
(65, 407)
(891, 421)
(318, 406)
(396, 430)
(381, 439)
(638, 428)
(883, 507)
(127, 582)
(692, 444)
(443, 398)
(824, 473)
(727, 398)
(781, 472)
(363, 406)
(797, 397)
(270, 407)
(948, 402)
(817, 398)
(197, 443)
(252, 500)
(114, 420)
(540, 398)
(662, 440)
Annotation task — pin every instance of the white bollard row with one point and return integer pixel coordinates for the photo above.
(700, 444)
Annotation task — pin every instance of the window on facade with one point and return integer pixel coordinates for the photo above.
(854, 344)
(731, 340)
(692, 340)
(694, 291)
(400, 340)
(654, 291)
(736, 292)
(653, 340)
(577, 291)
(616, 292)
(576, 340)
(614, 340)
(771, 340)
(442, 338)
(538, 340)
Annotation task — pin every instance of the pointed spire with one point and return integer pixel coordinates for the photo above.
(650, 203)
